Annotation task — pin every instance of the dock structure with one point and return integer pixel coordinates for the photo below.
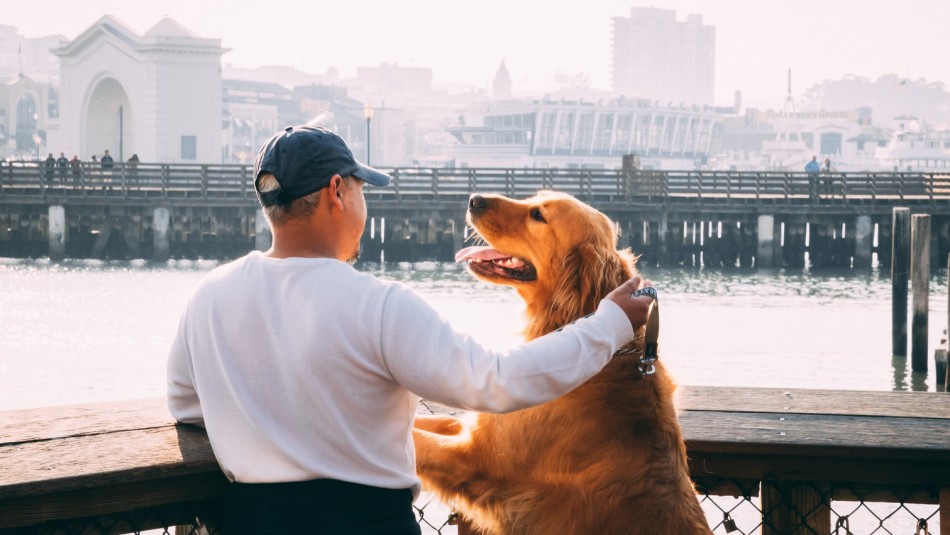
(774, 461)
(685, 218)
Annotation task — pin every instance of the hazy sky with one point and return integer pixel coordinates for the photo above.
(465, 41)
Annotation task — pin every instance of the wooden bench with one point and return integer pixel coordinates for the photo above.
(128, 462)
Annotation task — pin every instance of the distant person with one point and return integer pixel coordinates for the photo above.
(63, 163)
(76, 165)
(813, 168)
(827, 181)
(48, 166)
(107, 164)
(133, 164)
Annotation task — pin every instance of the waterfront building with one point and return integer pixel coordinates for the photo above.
(158, 94)
(20, 55)
(23, 105)
(916, 146)
(253, 111)
(657, 57)
(579, 134)
(785, 140)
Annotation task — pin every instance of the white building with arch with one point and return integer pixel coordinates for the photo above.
(157, 95)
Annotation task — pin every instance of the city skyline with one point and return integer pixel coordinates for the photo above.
(756, 42)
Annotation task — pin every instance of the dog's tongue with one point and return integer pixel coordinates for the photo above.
(478, 253)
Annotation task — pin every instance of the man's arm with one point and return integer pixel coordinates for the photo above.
(183, 402)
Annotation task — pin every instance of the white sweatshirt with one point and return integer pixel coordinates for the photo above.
(305, 368)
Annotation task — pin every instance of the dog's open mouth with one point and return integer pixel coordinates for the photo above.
(490, 263)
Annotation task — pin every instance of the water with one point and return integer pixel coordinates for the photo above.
(82, 331)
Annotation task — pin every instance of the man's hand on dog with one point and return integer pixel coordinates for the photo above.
(637, 308)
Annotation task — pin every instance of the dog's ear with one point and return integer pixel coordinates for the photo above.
(588, 274)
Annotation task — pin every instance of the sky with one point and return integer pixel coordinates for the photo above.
(464, 41)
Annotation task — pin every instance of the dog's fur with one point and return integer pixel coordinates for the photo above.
(608, 458)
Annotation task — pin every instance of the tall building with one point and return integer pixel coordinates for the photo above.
(501, 86)
(660, 58)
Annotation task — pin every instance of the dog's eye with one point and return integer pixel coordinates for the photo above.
(536, 215)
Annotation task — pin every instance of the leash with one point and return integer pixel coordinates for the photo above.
(648, 355)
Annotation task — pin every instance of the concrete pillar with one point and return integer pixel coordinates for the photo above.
(57, 232)
(161, 226)
(263, 237)
(863, 237)
(766, 235)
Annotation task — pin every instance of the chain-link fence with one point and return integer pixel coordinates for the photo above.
(751, 507)
(809, 508)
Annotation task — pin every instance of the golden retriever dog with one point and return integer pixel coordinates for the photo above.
(607, 458)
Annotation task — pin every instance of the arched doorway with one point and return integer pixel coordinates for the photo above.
(27, 135)
(108, 121)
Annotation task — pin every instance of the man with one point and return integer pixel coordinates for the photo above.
(107, 161)
(63, 163)
(813, 168)
(48, 165)
(307, 373)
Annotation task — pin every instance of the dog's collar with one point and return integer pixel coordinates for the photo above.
(649, 354)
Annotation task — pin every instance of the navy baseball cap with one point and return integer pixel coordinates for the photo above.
(303, 159)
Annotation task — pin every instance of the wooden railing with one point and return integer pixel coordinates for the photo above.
(125, 466)
(232, 183)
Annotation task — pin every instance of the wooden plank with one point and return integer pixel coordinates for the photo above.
(68, 421)
(112, 499)
(806, 401)
(870, 437)
(83, 462)
(811, 466)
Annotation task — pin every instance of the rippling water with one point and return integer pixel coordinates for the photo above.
(81, 331)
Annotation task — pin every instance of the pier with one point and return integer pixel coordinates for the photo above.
(775, 461)
(686, 218)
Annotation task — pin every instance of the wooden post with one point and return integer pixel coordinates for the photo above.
(900, 270)
(920, 284)
(945, 509)
(794, 509)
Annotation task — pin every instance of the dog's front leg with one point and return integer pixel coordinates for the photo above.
(441, 425)
(445, 462)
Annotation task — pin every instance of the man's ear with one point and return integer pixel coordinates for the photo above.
(335, 189)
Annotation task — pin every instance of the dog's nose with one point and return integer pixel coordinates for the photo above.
(477, 203)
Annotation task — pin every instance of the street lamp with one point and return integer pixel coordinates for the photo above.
(368, 113)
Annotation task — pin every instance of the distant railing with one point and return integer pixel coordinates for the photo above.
(766, 461)
(232, 183)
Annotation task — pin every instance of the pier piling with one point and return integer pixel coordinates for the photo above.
(900, 270)
(920, 284)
